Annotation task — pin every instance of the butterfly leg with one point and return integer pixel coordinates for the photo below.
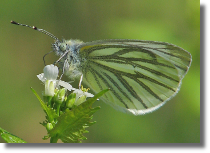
(80, 81)
(46, 55)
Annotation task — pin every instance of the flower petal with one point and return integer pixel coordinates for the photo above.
(65, 85)
(87, 94)
(51, 72)
(41, 77)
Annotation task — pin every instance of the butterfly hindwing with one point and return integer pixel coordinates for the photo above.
(141, 75)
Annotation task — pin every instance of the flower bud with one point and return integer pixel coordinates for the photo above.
(80, 100)
(70, 100)
(49, 88)
(60, 96)
(49, 126)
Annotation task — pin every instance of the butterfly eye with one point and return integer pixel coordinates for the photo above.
(63, 46)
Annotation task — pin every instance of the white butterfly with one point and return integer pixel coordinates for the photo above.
(141, 75)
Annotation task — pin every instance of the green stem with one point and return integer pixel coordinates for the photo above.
(54, 139)
(58, 109)
(48, 100)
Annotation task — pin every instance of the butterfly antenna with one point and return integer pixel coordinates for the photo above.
(35, 28)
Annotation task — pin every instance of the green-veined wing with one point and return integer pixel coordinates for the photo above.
(142, 75)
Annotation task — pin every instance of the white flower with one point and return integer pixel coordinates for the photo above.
(80, 93)
(49, 78)
(81, 96)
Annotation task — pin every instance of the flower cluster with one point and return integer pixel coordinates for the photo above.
(55, 93)
(68, 113)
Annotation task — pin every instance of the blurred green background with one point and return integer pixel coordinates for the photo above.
(22, 49)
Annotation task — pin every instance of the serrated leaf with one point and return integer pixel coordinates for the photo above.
(51, 114)
(10, 138)
(71, 125)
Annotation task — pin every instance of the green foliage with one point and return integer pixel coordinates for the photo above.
(51, 114)
(10, 138)
(70, 125)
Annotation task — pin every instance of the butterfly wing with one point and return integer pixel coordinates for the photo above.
(141, 75)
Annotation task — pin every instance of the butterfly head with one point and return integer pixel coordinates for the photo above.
(66, 47)
(69, 59)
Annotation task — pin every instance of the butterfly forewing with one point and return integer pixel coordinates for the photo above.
(142, 75)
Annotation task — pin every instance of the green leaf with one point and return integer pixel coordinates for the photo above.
(71, 125)
(10, 138)
(51, 114)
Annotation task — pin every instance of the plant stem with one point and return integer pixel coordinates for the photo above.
(54, 139)
(58, 109)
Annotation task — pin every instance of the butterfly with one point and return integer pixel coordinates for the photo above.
(141, 75)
